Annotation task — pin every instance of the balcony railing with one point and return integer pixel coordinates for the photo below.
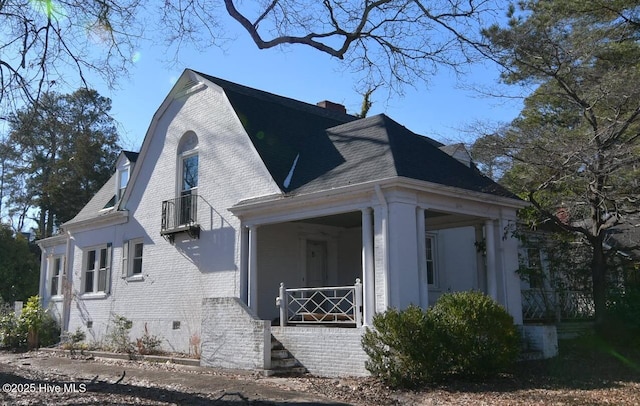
(556, 305)
(341, 305)
(180, 215)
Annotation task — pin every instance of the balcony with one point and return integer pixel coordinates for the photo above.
(180, 215)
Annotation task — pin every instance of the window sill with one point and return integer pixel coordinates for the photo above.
(97, 295)
(134, 278)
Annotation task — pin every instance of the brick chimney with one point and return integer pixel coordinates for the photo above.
(332, 106)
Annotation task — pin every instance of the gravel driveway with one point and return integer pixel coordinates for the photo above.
(43, 378)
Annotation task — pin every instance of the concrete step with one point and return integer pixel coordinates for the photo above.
(283, 363)
(280, 354)
(286, 371)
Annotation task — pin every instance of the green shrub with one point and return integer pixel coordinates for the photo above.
(464, 334)
(118, 335)
(403, 347)
(11, 334)
(480, 335)
(34, 327)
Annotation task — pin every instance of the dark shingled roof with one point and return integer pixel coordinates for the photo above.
(335, 149)
(103, 201)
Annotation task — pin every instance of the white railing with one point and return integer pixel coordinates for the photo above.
(556, 305)
(340, 305)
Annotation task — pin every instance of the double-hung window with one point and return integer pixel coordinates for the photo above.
(132, 258)
(97, 267)
(57, 275)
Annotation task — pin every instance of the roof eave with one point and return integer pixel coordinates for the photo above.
(344, 192)
(112, 218)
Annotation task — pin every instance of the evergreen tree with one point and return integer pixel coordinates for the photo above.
(575, 148)
(63, 152)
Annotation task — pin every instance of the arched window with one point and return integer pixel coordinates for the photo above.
(187, 177)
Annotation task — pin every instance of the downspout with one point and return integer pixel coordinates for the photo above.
(385, 233)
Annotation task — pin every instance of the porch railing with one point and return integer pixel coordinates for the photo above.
(556, 305)
(341, 305)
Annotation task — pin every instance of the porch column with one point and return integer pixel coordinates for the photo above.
(422, 257)
(253, 269)
(492, 280)
(368, 273)
(244, 264)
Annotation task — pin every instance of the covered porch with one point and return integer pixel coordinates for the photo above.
(337, 261)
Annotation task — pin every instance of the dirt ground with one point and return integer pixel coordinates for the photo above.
(39, 378)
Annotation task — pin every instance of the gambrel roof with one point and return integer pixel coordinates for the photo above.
(307, 148)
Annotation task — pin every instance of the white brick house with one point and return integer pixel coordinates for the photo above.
(236, 191)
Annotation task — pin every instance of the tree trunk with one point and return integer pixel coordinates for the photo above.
(598, 274)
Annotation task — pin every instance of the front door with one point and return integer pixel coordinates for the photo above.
(316, 261)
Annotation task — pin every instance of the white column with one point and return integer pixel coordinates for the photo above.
(368, 273)
(45, 271)
(244, 265)
(253, 269)
(421, 233)
(492, 282)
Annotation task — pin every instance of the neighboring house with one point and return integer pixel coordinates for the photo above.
(562, 292)
(239, 198)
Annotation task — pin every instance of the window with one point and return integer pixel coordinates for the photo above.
(534, 266)
(132, 258)
(57, 275)
(430, 245)
(188, 178)
(96, 269)
(123, 179)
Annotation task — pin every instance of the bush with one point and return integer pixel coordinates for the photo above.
(11, 335)
(623, 318)
(402, 347)
(73, 341)
(464, 334)
(148, 344)
(33, 328)
(118, 336)
(480, 334)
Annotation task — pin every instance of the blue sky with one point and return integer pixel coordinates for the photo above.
(440, 109)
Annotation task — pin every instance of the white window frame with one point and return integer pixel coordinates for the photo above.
(431, 246)
(125, 169)
(188, 147)
(129, 259)
(99, 269)
(58, 274)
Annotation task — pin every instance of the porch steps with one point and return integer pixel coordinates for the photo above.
(282, 362)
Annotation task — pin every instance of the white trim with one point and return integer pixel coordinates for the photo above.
(347, 193)
(96, 269)
(110, 219)
(128, 260)
(279, 208)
